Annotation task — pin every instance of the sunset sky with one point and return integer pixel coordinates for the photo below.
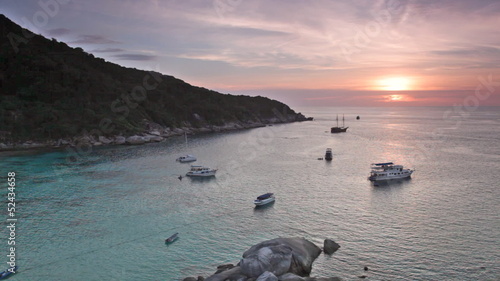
(301, 52)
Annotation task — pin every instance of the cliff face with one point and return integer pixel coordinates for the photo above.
(50, 91)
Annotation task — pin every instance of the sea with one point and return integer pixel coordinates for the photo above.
(104, 213)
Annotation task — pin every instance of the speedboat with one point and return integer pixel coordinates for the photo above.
(264, 199)
(201, 171)
(172, 238)
(186, 158)
(388, 171)
(328, 154)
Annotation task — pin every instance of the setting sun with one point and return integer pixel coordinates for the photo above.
(394, 84)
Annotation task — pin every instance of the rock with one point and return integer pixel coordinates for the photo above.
(154, 133)
(190, 279)
(230, 274)
(83, 140)
(290, 277)
(267, 276)
(273, 258)
(135, 140)
(3, 146)
(279, 256)
(224, 267)
(330, 246)
(104, 140)
(120, 140)
(156, 139)
(178, 131)
(97, 143)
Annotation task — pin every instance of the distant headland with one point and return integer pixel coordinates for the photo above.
(52, 95)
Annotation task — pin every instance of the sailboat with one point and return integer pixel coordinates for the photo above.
(338, 129)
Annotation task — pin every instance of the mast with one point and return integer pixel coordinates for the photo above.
(337, 120)
(343, 125)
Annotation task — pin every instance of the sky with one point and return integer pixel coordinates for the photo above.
(301, 52)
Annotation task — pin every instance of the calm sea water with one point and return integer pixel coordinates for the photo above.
(105, 217)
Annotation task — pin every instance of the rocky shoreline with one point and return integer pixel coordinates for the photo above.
(280, 259)
(154, 133)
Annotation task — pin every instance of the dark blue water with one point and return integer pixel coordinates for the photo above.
(105, 217)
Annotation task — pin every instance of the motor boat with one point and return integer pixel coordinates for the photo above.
(201, 171)
(388, 171)
(264, 199)
(186, 158)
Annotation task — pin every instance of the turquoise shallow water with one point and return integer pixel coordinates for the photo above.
(105, 216)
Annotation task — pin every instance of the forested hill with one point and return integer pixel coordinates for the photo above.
(49, 90)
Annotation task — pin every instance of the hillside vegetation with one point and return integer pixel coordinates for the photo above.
(49, 90)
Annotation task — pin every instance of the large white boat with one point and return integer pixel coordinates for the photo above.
(264, 199)
(201, 171)
(186, 158)
(388, 171)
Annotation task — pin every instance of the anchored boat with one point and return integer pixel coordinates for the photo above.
(186, 158)
(264, 199)
(338, 129)
(172, 238)
(388, 171)
(328, 154)
(201, 171)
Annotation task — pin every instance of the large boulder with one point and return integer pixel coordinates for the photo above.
(279, 256)
(275, 258)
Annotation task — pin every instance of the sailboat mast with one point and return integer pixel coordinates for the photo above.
(337, 120)
(343, 125)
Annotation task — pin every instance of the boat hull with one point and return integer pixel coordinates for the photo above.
(206, 174)
(264, 201)
(334, 130)
(391, 177)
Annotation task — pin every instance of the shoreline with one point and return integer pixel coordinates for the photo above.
(156, 134)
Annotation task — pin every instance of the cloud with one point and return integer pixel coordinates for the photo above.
(107, 50)
(136, 57)
(58, 31)
(94, 39)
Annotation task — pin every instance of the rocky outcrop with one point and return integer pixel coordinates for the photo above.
(280, 259)
(281, 255)
(154, 133)
(330, 246)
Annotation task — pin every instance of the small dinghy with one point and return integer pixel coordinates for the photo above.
(172, 238)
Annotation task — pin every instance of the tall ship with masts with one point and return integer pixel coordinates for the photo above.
(338, 129)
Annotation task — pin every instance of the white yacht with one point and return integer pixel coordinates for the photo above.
(264, 199)
(186, 158)
(201, 171)
(388, 171)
